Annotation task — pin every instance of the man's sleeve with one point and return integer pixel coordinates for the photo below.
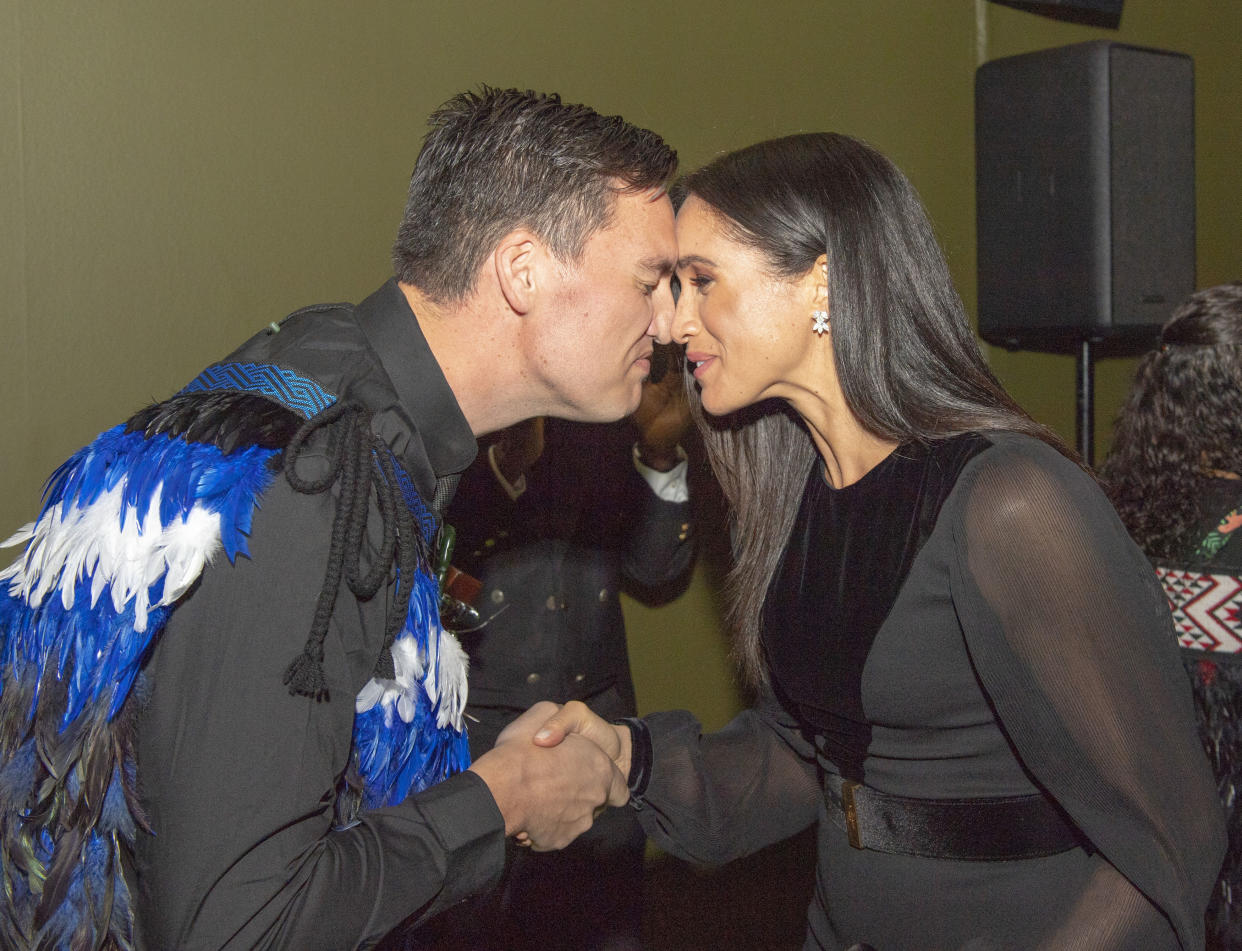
(660, 545)
(239, 777)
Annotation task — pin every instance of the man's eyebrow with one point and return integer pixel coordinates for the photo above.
(659, 264)
(694, 259)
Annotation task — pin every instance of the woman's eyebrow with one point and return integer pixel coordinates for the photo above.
(694, 259)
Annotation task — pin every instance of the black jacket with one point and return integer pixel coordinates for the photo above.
(553, 562)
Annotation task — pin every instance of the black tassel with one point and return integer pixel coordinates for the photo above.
(384, 667)
(304, 677)
(360, 463)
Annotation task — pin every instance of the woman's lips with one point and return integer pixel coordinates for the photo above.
(700, 361)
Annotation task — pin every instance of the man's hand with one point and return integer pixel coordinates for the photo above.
(550, 795)
(577, 719)
(662, 418)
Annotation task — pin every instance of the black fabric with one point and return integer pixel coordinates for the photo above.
(375, 353)
(1029, 650)
(824, 629)
(640, 758)
(585, 897)
(552, 563)
(977, 829)
(238, 777)
(1217, 497)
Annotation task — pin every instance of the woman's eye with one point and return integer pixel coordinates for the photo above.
(700, 281)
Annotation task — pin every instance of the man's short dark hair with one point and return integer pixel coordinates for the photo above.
(502, 159)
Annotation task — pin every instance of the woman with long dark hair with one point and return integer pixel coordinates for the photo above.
(1175, 475)
(965, 668)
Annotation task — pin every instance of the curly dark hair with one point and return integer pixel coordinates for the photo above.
(1181, 420)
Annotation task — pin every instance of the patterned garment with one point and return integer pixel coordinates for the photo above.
(1205, 608)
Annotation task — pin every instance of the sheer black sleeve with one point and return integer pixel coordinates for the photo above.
(716, 797)
(1072, 640)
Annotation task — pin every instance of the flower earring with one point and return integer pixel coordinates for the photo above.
(819, 321)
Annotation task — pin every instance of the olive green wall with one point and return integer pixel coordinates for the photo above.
(175, 175)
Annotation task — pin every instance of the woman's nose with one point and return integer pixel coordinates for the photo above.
(685, 321)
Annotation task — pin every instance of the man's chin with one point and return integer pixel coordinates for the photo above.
(607, 410)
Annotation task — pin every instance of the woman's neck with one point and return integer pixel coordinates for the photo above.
(849, 451)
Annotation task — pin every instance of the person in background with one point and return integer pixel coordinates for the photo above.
(1175, 477)
(555, 519)
(968, 681)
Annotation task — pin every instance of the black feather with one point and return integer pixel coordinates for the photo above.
(224, 419)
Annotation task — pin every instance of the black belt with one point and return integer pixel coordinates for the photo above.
(988, 829)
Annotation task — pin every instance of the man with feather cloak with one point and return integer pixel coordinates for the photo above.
(230, 713)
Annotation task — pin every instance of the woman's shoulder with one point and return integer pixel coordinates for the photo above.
(1016, 471)
(1004, 450)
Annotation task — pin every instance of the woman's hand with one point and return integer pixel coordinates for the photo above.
(576, 717)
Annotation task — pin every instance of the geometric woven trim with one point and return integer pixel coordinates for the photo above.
(1207, 608)
(414, 502)
(298, 393)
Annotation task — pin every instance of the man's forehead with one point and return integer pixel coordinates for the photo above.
(647, 218)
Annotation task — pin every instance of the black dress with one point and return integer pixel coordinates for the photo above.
(963, 622)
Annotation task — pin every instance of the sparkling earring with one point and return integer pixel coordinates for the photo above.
(819, 321)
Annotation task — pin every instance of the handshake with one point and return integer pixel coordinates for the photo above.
(553, 770)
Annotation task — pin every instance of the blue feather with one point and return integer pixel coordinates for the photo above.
(97, 652)
(396, 758)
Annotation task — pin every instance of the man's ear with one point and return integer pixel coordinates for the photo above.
(517, 273)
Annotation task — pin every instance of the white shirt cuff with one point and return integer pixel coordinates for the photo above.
(671, 486)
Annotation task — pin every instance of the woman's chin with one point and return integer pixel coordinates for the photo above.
(716, 405)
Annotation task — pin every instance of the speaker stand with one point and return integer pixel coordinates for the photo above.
(1085, 428)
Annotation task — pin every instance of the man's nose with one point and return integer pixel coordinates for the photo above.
(662, 322)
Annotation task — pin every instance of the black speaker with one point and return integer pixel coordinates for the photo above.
(1085, 194)
(1091, 12)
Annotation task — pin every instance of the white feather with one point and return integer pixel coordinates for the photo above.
(405, 660)
(188, 547)
(454, 667)
(372, 692)
(116, 546)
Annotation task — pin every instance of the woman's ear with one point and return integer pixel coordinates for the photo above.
(819, 275)
(515, 262)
